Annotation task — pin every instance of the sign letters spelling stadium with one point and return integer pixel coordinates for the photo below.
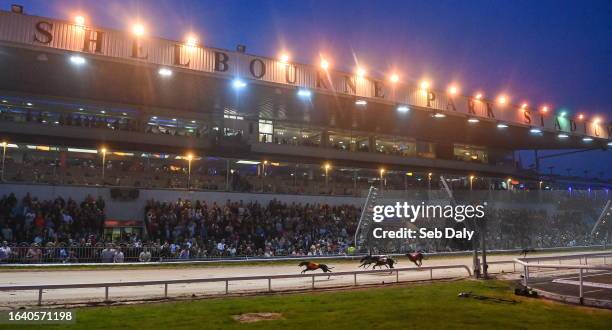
(61, 35)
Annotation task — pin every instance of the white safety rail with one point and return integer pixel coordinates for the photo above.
(547, 263)
(356, 256)
(107, 285)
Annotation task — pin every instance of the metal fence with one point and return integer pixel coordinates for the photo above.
(534, 263)
(84, 255)
(107, 285)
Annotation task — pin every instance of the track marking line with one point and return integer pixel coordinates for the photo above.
(583, 276)
(591, 284)
(591, 291)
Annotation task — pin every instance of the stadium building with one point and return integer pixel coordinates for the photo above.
(89, 106)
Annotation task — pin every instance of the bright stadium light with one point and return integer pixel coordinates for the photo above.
(165, 72)
(544, 109)
(284, 58)
(361, 102)
(361, 72)
(79, 20)
(394, 78)
(587, 139)
(478, 96)
(191, 40)
(77, 60)
(524, 106)
(562, 113)
(324, 64)
(502, 99)
(562, 136)
(29, 104)
(502, 125)
(238, 83)
(580, 117)
(403, 108)
(424, 84)
(304, 93)
(473, 120)
(138, 30)
(596, 121)
(453, 90)
(439, 115)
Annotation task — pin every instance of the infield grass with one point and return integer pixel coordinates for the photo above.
(422, 306)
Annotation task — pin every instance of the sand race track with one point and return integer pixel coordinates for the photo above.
(13, 277)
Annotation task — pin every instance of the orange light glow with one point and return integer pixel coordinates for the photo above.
(478, 96)
(394, 78)
(79, 20)
(424, 84)
(324, 64)
(360, 72)
(453, 90)
(284, 58)
(544, 109)
(191, 40)
(138, 29)
(502, 99)
(581, 116)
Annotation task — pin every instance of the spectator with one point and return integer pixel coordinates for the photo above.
(118, 257)
(108, 254)
(144, 256)
(5, 252)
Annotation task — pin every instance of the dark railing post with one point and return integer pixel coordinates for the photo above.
(581, 289)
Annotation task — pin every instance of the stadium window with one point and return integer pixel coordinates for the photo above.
(266, 130)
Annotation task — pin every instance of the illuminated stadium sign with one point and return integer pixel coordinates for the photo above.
(137, 46)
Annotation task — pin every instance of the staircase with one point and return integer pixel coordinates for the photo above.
(603, 224)
(366, 219)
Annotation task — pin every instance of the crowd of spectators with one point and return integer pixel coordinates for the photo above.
(236, 228)
(44, 221)
(66, 230)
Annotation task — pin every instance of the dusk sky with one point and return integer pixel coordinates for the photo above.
(553, 52)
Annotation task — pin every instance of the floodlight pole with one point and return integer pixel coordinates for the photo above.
(483, 241)
(189, 174)
(103, 165)
(4, 144)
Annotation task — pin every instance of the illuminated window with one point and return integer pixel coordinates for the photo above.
(266, 130)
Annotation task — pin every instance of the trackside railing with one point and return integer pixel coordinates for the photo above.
(528, 264)
(131, 258)
(107, 285)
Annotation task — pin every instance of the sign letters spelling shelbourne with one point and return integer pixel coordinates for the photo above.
(27, 30)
